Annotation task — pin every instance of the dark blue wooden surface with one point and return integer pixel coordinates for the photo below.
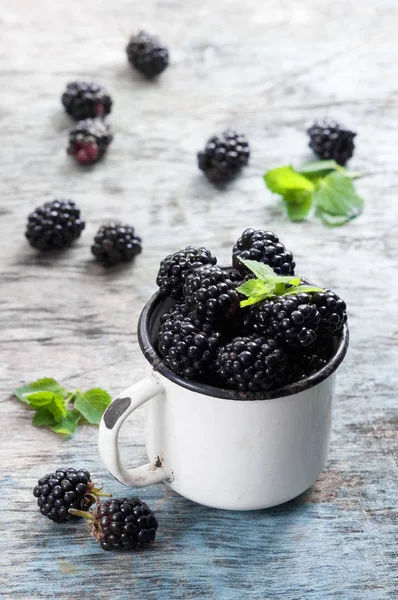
(268, 68)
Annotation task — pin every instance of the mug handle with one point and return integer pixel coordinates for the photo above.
(112, 419)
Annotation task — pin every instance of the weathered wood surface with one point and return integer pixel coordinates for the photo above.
(267, 68)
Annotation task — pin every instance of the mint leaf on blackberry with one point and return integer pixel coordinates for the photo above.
(336, 200)
(92, 404)
(47, 384)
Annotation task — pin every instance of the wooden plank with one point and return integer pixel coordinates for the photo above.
(268, 69)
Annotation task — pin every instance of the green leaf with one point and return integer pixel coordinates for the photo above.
(336, 200)
(67, 425)
(285, 179)
(252, 300)
(297, 289)
(260, 270)
(253, 287)
(92, 404)
(54, 403)
(298, 205)
(46, 384)
(318, 167)
(43, 418)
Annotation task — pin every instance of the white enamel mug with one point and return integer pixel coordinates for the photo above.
(219, 447)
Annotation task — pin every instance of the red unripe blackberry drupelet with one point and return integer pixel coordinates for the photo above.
(89, 140)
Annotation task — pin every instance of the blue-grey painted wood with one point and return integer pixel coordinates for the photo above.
(267, 68)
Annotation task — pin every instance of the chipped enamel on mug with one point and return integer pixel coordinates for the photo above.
(223, 448)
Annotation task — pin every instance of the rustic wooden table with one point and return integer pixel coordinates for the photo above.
(267, 68)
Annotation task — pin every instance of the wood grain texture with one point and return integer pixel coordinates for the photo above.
(267, 68)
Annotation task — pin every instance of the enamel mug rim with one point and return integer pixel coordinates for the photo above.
(145, 326)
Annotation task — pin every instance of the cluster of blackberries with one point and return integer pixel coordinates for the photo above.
(68, 494)
(208, 336)
(89, 103)
(58, 223)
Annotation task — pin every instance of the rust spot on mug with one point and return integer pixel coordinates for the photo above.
(157, 462)
(115, 411)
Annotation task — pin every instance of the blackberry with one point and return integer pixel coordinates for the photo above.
(56, 224)
(84, 100)
(223, 156)
(115, 243)
(210, 293)
(265, 247)
(147, 55)
(175, 267)
(187, 343)
(330, 140)
(306, 362)
(89, 140)
(332, 310)
(66, 488)
(251, 363)
(292, 320)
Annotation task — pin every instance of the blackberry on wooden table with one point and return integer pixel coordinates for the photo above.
(330, 140)
(116, 243)
(67, 488)
(146, 54)
(223, 156)
(54, 225)
(86, 100)
(89, 140)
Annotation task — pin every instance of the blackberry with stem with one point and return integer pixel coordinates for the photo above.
(121, 524)
(175, 267)
(262, 246)
(67, 488)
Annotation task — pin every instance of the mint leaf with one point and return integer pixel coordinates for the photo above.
(43, 418)
(54, 403)
(336, 200)
(297, 289)
(46, 384)
(285, 179)
(67, 425)
(253, 287)
(319, 168)
(298, 205)
(92, 404)
(266, 274)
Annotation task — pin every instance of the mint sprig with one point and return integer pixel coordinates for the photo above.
(269, 285)
(62, 410)
(322, 184)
